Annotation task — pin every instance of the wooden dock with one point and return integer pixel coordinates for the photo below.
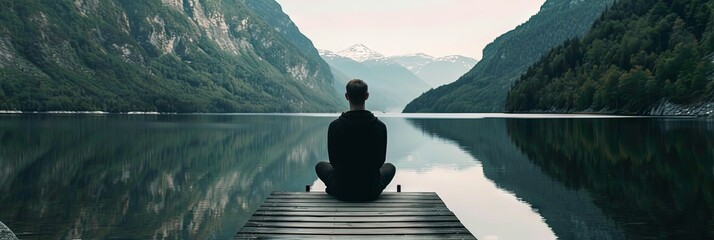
(309, 215)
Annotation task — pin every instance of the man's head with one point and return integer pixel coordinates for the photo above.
(356, 92)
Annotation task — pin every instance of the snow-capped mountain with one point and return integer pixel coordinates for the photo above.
(413, 62)
(393, 80)
(436, 71)
(327, 54)
(360, 53)
(391, 85)
(458, 59)
(445, 70)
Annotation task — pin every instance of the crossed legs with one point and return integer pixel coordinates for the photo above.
(325, 171)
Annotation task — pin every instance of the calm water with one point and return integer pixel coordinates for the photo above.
(201, 177)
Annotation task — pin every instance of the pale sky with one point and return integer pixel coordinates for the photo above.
(394, 27)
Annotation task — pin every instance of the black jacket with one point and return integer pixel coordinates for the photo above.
(357, 147)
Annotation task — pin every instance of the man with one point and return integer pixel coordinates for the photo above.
(357, 147)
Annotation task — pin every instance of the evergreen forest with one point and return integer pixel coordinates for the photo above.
(485, 86)
(638, 55)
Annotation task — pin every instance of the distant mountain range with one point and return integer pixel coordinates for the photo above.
(391, 85)
(361, 53)
(413, 62)
(484, 88)
(158, 55)
(436, 71)
(396, 80)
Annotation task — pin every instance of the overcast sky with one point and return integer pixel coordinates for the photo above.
(393, 27)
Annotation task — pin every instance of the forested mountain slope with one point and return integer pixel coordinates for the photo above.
(639, 54)
(484, 88)
(158, 55)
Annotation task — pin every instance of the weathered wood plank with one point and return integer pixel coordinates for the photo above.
(332, 197)
(387, 218)
(356, 225)
(344, 231)
(338, 202)
(330, 200)
(383, 195)
(349, 209)
(354, 219)
(387, 237)
(325, 196)
(386, 194)
(360, 205)
(356, 214)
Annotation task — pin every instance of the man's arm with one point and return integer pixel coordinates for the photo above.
(332, 144)
(382, 147)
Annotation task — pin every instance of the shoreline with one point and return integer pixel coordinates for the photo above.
(6, 233)
(524, 115)
(82, 112)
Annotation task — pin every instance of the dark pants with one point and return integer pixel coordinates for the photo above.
(386, 173)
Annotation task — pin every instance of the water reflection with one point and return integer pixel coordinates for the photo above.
(434, 164)
(200, 177)
(655, 178)
(190, 177)
(570, 213)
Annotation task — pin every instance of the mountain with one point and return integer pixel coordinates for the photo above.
(158, 55)
(445, 70)
(391, 85)
(413, 62)
(639, 55)
(360, 53)
(435, 71)
(484, 87)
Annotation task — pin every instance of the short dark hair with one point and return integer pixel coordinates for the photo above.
(357, 91)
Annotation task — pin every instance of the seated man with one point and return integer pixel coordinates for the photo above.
(357, 147)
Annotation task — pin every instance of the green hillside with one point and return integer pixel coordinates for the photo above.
(484, 88)
(641, 53)
(158, 55)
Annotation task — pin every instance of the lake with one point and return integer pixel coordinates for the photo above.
(504, 176)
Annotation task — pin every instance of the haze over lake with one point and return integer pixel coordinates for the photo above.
(202, 176)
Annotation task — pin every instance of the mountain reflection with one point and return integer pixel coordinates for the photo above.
(655, 178)
(201, 177)
(599, 178)
(186, 177)
(570, 213)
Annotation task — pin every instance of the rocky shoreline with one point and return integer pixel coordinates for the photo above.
(705, 109)
(84, 112)
(6, 233)
(670, 109)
